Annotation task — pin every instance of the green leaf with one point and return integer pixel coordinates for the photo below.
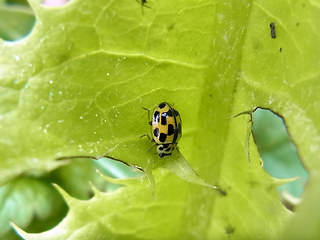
(28, 201)
(178, 165)
(77, 85)
(112, 215)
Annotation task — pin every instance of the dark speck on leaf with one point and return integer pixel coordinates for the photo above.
(170, 27)
(143, 3)
(229, 229)
(273, 30)
(222, 192)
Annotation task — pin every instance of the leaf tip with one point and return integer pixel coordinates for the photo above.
(280, 181)
(68, 198)
(95, 190)
(18, 230)
(112, 180)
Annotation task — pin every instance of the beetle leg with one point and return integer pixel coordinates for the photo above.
(150, 123)
(148, 136)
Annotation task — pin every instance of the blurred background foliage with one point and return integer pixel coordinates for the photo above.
(278, 152)
(16, 19)
(34, 204)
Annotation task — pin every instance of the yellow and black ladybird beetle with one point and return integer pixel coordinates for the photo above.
(166, 128)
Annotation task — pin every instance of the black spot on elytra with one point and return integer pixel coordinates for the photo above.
(163, 119)
(156, 132)
(176, 113)
(170, 129)
(162, 137)
(168, 149)
(176, 133)
(156, 116)
(162, 105)
(175, 136)
(160, 148)
(170, 113)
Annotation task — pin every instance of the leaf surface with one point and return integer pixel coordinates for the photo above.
(78, 83)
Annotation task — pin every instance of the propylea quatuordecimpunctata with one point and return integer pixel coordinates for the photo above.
(166, 128)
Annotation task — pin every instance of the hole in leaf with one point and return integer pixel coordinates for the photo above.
(16, 19)
(279, 154)
(116, 169)
(74, 178)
